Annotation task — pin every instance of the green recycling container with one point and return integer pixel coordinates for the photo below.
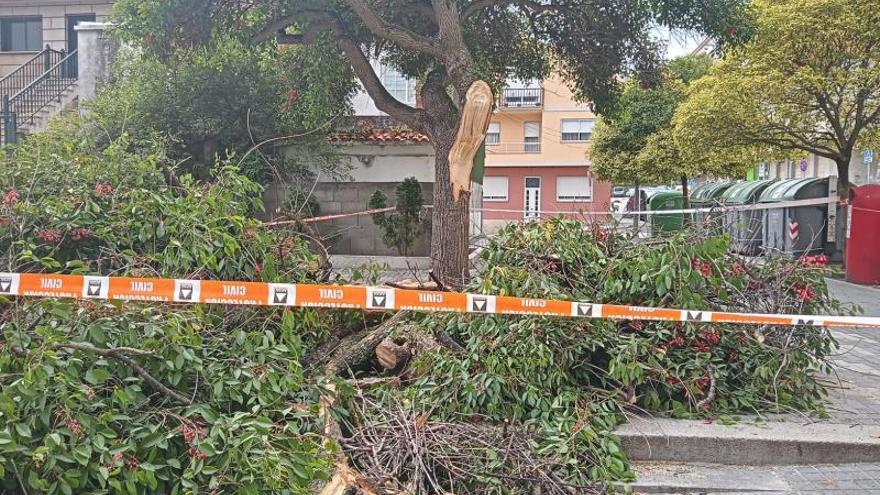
(708, 196)
(796, 229)
(745, 226)
(666, 200)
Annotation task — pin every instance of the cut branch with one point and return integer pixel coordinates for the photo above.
(120, 354)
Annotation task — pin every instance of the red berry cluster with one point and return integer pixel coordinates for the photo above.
(636, 325)
(820, 260)
(711, 337)
(103, 190)
(602, 236)
(50, 236)
(80, 234)
(74, 427)
(804, 292)
(754, 284)
(131, 461)
(704, 268)
(702, 382)
(701, 346)
(737, 269)
(191, 435)
(11, 197)
(292, 97)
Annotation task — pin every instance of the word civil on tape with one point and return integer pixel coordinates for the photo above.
(373, 298)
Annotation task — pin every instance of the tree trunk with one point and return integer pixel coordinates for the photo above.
(449, 225)
(685, 201)
(455, 147)
(843, 187)
(637, 207)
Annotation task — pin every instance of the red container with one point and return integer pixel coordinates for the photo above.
(863, 235)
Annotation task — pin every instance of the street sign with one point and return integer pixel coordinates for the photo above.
(803, 165)
(869, 157)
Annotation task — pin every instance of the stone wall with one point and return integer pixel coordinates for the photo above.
(359, 235)
(353, 235)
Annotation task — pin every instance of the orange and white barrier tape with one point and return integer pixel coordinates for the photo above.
(374, 298)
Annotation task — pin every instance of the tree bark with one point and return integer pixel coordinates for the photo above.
(843, 187)
(685, 201)
(637, 207)
(449, 225)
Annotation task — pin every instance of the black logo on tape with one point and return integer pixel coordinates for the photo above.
(380, 299)
(186, 292)
(279, 295)
(94, 288)
(585, 309)
(694, 316)
(480, 304)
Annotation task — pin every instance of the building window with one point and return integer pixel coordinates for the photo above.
(402, 88)
(21, 34)
(532, 137)
(577, 129)
(495, 188)
(493, 135)
(572, 189)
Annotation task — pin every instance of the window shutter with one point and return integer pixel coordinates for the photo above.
(574, 188)
(532, 129)
(495, 188)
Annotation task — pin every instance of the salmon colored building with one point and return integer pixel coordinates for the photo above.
(536, 161)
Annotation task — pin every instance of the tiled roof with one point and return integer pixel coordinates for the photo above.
(389, 135)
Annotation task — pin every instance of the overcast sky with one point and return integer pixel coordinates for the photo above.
(679, 43)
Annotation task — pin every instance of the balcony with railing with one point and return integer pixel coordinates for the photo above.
(507, 148)
(521, 98)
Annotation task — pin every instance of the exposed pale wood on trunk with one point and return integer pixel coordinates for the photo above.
(471, 133)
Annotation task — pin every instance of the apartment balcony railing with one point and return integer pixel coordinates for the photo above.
(521, 98)
(512, 148)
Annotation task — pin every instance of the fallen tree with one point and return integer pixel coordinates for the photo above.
(156, 398)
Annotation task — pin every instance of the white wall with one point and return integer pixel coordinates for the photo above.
(390, 162)
(824, 167)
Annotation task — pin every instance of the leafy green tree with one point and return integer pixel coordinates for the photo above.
(633, 141)
(808, 82)
(224, 98)
(448, 45)
(408, 222)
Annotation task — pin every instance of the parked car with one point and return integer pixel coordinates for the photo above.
(619, 192)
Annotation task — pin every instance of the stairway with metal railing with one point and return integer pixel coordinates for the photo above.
(32, 91)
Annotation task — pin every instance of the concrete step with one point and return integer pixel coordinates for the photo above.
(861, 479)
(774, 443)
(704, 478)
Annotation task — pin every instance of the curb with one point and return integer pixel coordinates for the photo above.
(772, 444)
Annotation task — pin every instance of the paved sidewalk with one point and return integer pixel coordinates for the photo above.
(857, 363)
(853, 404)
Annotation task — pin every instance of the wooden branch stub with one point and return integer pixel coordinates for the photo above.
(393, 353)
(471, 133)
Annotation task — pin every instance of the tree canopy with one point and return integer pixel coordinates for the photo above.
(808, 82)
(453, 48)
(633, 141)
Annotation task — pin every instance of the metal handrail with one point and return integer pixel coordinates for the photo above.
(13, 82)
(513, 148)
(45, 88)
(521, 97)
